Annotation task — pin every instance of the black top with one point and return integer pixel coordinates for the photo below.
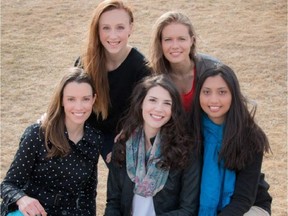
(121, 83)
(250, 190)
(179, 196)
(56, 182)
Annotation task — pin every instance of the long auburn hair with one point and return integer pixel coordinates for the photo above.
(158, 62)
(175, 141)
(94, 58)
(53, 125)
(242, 136)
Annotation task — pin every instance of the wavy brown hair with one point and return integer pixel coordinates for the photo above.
(94, 58)
(53, 125)
(158, 62)
(175, 141)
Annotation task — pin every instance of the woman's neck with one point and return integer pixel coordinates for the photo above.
(182, 69)
(183, 76)
(115, 60)
(148, 135)
(75, 132)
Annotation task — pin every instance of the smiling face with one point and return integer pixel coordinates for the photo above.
(215, 98)
(77, 101)
(156, 109)
(176, 43)
(114, 30)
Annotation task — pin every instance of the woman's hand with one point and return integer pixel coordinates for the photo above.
(117, 136)
(30, 206)
(108, 157)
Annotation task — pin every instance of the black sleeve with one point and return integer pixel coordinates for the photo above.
(114, 191)
(190, 189)
(21, 168)
(246, 186)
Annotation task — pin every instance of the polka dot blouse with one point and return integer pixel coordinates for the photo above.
(63, 185)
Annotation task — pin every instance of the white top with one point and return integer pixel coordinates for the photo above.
(143, 206)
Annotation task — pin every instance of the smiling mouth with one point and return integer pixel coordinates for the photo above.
(214, 108)
(175, 53)
(157, 117)
(113, 43)
(78, 113)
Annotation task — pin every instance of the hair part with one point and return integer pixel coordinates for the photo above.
(158, 62)
(175, 141)
(94, 58)
(54, 124)
(242, 136)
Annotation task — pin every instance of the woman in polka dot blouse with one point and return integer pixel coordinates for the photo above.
(54, 170)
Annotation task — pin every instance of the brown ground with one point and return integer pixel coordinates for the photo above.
(41, 38)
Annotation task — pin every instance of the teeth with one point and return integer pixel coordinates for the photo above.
(79, 114)
(156, 116)
(113, 43)
(175, 53)
(214, 108)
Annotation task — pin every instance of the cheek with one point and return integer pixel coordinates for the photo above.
(229, 102)
(168, 112)
(102, 35)
(89, 106)
(202, 101)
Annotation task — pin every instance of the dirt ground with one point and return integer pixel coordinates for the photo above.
(40, 38)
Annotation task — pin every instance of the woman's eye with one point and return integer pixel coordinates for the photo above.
(222, 92)
(120, 27)
(205, 92)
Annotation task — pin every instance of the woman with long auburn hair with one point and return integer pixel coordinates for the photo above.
(114, 65)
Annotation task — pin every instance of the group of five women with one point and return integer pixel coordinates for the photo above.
(175, 131)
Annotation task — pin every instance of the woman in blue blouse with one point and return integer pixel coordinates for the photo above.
(233, 146)
(54, 170)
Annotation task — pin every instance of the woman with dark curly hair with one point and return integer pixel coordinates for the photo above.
(153, 170)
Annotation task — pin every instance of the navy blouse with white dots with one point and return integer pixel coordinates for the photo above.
(63, 185)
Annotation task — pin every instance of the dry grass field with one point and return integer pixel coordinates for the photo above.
(40, 38)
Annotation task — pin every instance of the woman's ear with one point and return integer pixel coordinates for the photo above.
(131, 29)
(94, 98)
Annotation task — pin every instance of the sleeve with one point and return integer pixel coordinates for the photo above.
(21, 168)
(246, 187)
(114, 191)
(190, 190)
(143, 71)
(89, 193)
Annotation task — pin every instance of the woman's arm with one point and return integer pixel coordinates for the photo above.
(114, 192)
(246, 187)
(190, 189)
(21, 167)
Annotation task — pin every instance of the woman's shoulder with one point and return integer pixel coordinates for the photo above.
(201, 57)
(32, 130)
(93, 134)
(136, 56)
(32, 136)
(204, 62)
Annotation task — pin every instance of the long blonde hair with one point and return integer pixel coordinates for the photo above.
(94, 59)
(158, 62)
